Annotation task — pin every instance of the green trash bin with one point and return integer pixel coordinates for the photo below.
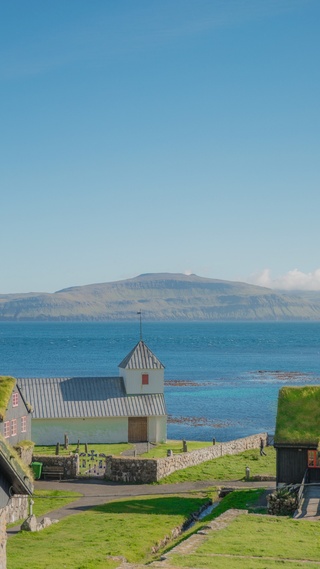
(37, 469)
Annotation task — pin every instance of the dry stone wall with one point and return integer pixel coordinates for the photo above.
(144, 470)
(70, 464)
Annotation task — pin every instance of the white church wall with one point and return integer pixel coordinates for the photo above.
(157, 429)
(101, 430)
(133, 381)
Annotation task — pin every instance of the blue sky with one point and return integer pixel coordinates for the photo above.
(159, 136)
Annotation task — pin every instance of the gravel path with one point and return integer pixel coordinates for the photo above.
(97, 492)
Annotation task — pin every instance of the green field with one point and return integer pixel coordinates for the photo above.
(256, 542)
(132, 527)
(129, 528)
(107, 449)
(160, 450)
(227, 467)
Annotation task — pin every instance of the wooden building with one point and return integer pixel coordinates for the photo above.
(297, 434)
(126, 408)
(15, 419)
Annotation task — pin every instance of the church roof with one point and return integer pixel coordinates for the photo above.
(141, 357)
(84, 397)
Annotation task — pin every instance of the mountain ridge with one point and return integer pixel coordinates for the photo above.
(162, 296)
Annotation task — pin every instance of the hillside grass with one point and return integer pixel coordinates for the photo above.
(256, 542)
(228, 467)
(46, 501)
(128, 528)
(298, 415)
(160, 450)
(132, 527)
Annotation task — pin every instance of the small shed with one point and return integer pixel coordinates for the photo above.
(297, 434)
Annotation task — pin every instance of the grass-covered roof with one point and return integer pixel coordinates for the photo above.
(19, 473)
(298, 416)
(6, 387)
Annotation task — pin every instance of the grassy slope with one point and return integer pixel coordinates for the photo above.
(298, 415)
(46, 501)
(227, 467)
(256, 536)
(129, 528)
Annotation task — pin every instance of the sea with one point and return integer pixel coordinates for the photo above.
(222, 379)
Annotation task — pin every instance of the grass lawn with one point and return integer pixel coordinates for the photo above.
(160, 450)
(128, 527)
(46, 501)
(107, 449)
(252, 536)
(227, 467)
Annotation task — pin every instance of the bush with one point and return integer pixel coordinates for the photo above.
(283, 502)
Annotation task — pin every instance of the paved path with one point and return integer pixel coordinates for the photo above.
(310, 508)
(97, 492)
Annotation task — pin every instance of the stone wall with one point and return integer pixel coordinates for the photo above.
(141, 470)
(146, 470)
(70, 464)
(17, 509)
(3, 538)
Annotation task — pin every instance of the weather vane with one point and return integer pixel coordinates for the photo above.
(140, 324)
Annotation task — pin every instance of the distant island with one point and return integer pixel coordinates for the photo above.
(163, 296)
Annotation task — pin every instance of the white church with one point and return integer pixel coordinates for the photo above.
(126, 408)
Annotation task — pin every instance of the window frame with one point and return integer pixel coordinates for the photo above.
(13, 427)
(24, 424)
(15, 399)
(313, 458)
(6, 429)
(145, 379)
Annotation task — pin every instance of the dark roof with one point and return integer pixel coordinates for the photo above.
(141, 357)
(19, 479)
(81, 397)
(298, 416)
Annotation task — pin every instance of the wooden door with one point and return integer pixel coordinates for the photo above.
(137, 429)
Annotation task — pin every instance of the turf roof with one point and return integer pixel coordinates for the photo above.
(298, 416)
(6, 387)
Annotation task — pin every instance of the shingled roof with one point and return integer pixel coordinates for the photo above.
(87, 397)
(141, 357)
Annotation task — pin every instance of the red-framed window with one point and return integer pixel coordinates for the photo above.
(145, 379)
(13, 427)
(6, 429)
(23, 424)
(15, 399)
(313, 459)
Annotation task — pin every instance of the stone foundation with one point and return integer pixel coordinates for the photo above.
(146, 470)
(17, 509)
